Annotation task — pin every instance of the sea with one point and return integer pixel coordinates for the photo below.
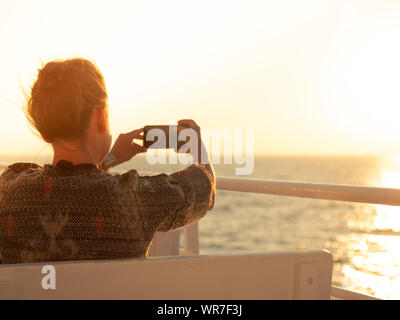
(364, 239)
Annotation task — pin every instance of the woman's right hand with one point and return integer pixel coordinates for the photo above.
(191, 124)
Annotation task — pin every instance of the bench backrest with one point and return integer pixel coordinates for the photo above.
(281, 275)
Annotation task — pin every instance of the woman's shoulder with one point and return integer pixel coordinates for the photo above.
(19, 167)
(16, 169)
(22, 166)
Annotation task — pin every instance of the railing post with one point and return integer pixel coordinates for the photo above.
(165, 244)
(191, 238)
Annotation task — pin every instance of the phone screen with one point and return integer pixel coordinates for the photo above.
(158, 137)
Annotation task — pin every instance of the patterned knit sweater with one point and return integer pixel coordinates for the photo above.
(67, 212)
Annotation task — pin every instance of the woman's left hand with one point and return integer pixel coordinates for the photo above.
(125, 148)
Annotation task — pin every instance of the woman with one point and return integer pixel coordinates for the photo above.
(73, 209)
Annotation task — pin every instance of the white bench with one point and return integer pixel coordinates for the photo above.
(281, 275)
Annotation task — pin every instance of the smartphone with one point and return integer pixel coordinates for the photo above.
(162, 137)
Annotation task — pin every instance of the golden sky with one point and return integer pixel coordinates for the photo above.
(310, 77)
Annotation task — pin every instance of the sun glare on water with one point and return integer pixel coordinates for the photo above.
(374, 266)
(388, 217)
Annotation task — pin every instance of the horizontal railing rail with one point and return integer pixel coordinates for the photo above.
(363, 194)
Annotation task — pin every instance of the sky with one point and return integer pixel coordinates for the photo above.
(310, 77)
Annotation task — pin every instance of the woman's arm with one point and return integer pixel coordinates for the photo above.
(166, 202)
(172, 201)
(196, 183)
(197, 186)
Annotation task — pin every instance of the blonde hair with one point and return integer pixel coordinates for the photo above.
(63, 98)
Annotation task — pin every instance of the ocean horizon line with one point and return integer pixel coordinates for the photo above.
(9, 155)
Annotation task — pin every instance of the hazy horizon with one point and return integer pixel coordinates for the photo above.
(384, 155)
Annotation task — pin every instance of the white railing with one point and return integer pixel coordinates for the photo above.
(372, 195)
(387, 196)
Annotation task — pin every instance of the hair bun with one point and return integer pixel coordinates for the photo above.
(63, 98)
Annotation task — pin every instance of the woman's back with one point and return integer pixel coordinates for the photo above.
(75, 212)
